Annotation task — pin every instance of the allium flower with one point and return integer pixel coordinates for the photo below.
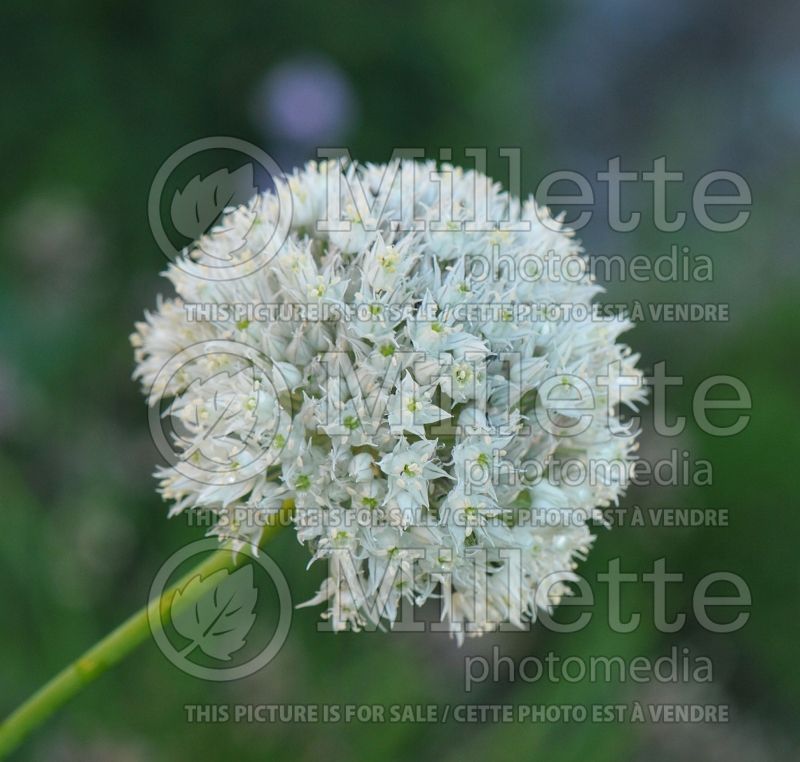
(397, 393)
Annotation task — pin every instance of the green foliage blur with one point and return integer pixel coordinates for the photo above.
(96, 95)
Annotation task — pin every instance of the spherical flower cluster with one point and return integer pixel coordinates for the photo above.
(377, 362)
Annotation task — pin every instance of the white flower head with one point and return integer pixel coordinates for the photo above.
(395, 381)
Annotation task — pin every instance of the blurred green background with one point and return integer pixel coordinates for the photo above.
(97, 95)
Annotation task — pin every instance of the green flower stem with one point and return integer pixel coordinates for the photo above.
(105, 654)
